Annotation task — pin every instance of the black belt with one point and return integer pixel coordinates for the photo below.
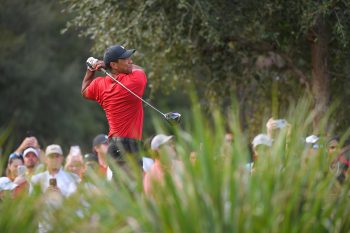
(119, 139)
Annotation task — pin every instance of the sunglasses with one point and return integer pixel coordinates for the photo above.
(14, 156)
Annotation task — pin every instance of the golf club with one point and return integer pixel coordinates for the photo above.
(171, 117)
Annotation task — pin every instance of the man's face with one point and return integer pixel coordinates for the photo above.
(122, 65)
(333, 148)
(102, 149)
(30, 160)
(54, 161)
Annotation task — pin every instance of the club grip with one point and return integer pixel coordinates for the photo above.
(91, 61)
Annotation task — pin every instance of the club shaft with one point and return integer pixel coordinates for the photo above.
(144, 101)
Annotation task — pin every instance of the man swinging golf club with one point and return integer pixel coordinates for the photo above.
(120, 96)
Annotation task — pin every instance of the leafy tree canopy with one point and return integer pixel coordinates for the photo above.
(251, 48)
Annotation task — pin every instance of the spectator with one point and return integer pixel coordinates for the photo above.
(274, 127)
(27, 142)
(164, 155)
(312, 145)
(342, 163)
(261, 144)
(333, 147)
(74, 162)
(91, 162)
(31, 160)
(226, 149)
(6, 187)
(14, 165)
(55, 178)
(147, 162)
(100, 147)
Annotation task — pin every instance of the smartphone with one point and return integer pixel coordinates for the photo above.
(30, 133)
(281, 123)
(53, 182)
(74, 150)
(21, 170)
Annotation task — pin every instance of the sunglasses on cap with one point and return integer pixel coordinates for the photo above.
(15, 156)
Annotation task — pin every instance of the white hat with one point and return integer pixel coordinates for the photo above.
(30, 150)
(262, 139)
(311, 139)
(53, 149)
(6, 184)
(159, 140)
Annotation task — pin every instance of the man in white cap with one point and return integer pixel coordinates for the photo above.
(55, 178)
(31, 160)
(261, 145)
(164, 154)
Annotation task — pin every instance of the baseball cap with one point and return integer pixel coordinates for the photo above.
(30, 150)
(116, 52)
(159, 140)
(53, 149)
(100, 139)
(311, 139)
(6, 184)
(262, 139)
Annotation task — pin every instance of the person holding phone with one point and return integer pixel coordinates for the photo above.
(29, 141)
(15, 171)
(66, 182)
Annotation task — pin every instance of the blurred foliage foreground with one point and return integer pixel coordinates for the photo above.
(286, 192)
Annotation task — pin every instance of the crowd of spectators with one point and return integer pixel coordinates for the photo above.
(52, 171)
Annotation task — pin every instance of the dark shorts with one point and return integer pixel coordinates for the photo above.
(118, 148)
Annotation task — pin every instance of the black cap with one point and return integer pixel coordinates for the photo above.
(100, 139)
(116, 52)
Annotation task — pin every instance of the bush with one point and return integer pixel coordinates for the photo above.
(290, 190)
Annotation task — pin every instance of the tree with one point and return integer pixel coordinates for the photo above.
(41, 73)
(229, 46)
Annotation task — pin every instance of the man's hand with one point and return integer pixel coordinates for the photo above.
(94, 64)
(27, 142)
(54, 189)
(20, 180)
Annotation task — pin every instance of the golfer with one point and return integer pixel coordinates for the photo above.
(124, 111)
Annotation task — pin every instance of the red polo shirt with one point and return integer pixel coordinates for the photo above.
(123, 110)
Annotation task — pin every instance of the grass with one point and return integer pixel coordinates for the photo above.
(286, 193)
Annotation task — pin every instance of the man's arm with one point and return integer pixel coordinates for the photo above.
(89, 76)
(27, 142)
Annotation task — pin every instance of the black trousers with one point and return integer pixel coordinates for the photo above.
(118, 148)
(123, 151)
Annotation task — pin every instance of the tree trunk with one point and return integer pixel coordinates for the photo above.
(320, 74)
